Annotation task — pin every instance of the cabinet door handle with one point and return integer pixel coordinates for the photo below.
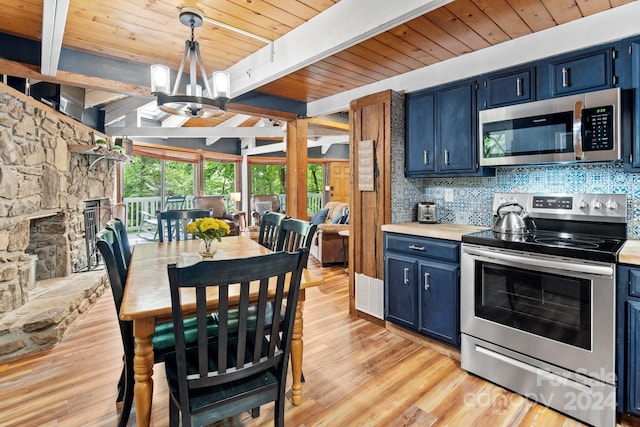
(425, 157)
(416, 248)
(447, 158)
(519, 86)
(427, 276)
(565, 77)
(406, 275)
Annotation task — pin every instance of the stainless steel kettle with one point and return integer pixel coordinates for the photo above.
(511, 222)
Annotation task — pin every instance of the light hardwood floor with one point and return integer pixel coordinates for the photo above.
(357, 374)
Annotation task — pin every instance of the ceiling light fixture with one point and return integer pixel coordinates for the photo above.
(193, 104)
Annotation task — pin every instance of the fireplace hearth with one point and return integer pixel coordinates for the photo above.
(43, 189)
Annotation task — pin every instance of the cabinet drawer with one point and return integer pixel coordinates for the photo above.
(423, 247)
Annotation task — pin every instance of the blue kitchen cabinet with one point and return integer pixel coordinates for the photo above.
(421, 284)
(438, 296)
(441, 132)
(421, 133)
(401, 305)
(578, 72)
(630, 83)
(628, 340)
(508, 87)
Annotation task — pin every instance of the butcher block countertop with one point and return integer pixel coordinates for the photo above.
(630, 253)
(438, 231)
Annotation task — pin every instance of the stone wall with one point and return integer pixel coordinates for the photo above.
(42, 191)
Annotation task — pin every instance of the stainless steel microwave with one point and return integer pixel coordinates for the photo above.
(576, 128)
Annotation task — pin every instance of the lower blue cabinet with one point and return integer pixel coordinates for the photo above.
(422, 282)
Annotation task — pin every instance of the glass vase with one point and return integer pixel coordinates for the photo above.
(208, 248)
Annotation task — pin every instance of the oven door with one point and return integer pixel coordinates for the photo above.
(557, 310)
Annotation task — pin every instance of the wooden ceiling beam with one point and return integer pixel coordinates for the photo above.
(29, 71)
(54, 18)
(293, 51)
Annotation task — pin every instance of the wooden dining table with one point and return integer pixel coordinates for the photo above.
(147, 302)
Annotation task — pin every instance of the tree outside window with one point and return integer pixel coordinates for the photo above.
(219, 178)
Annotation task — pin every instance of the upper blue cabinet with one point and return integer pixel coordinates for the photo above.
(508, 87)
(578, 72)
(586, 71)
(441, 131)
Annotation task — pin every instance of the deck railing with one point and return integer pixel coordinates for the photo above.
(136, 205)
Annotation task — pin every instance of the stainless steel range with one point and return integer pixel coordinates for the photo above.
(538, 306)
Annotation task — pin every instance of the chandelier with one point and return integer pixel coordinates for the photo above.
(194, 104)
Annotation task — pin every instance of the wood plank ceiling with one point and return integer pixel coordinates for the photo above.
(148, 32)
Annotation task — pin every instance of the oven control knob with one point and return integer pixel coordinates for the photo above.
(611, 204)
(582, 204)
(597, 204)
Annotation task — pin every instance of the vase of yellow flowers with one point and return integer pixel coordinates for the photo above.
(210, 231)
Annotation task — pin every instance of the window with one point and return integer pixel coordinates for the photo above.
(218, 177)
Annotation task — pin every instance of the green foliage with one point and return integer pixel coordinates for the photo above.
(219, 178)
(268, 179)
(143, 178)
(314, 178)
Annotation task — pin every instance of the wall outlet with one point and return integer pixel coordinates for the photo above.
(448, 194)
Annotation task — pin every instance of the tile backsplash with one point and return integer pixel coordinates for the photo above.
(469, 200)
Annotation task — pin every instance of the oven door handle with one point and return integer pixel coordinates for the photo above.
(541, 262)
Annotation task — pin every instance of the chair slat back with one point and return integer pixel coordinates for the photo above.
(295, 234)
(172, 223)
(174, 203)
(250, 286)
(270, 229)
(123, 239)
(109, 248)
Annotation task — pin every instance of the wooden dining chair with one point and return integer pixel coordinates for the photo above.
(295, 234)
(270, 229)
(172, 223)
(121, 236)
(163, 337)
(245, 367)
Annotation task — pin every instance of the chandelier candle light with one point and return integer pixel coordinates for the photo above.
(193, 104)
(210, 231)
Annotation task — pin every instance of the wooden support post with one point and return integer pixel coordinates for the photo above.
(297, 168)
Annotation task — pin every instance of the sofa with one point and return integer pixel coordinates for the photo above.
(327, 245)
(219, 210)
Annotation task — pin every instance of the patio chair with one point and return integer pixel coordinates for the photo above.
(148, 227)
(246, 366)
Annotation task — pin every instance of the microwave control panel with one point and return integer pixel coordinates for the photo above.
(597, 128)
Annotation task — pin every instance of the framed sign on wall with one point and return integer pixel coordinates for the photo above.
(366, 177)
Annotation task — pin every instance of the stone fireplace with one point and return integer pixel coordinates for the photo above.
(43, 189)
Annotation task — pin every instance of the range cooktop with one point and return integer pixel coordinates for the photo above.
(570, 245)
(586, 226)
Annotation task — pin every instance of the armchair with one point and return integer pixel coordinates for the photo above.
(261, 203)
(216, 205)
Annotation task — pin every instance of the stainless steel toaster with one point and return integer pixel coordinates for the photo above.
(427, 213)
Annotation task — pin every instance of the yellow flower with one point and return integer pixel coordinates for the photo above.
(208, 228)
